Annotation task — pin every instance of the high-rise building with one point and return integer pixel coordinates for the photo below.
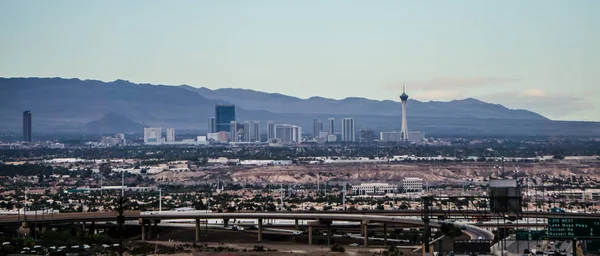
(331, 121)
(348, 131)
(288, 134)
(153, 135)
(317, 128)
(404, 99)
(256, 131)
(224, 114)
(212, 125)
(247, 131)
(233, 135)
(27, 126)
(170, 135)
(270, 131)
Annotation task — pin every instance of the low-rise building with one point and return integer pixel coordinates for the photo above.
(412, 185)
(374, 188)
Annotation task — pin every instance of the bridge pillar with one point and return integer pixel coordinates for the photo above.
(156, 227)
(197, 230)
(385, 234)
(260, 230)
(149, 230)
(225, 223)
(365, 225)
(310, 231)
(328, 234)
(143, 231)
(296, 223)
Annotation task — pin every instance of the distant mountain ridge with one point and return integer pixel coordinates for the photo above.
(279, 103)
(74, 105)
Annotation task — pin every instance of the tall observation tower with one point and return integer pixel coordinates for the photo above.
(404, 98)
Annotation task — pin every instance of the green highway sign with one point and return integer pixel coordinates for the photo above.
(524, 235)
(569, 228)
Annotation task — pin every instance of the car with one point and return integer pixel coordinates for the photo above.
(353, 244)
(480, 238)
(37, 246)
(52, 247)
(6, 243)
(85, 246)
(105, 246)
(463, 227)
(115, 245)
(26, 249)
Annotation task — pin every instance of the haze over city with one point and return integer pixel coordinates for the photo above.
(541, 56)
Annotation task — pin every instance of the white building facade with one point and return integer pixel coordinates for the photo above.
(374, 188)
(412, 185)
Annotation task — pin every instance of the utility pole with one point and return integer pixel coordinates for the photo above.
(123, 183)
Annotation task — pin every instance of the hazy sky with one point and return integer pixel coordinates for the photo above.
(538, 55)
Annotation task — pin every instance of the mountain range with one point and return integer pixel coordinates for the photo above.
(74, 105)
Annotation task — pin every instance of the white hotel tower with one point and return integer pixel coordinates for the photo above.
(404, 98)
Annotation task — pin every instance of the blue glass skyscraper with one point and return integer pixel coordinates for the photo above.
(224, 114)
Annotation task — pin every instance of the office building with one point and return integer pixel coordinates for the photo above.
(212, 128)
(366, 136)
(233, 135)
(374, 188)
(256, 131)
(416, 136)
(317, 128)
(224, 114)
(390, 136)
(27, 126)
(153, 135)
(404, 99)
(412, 185)
(270, 131)
(348, 131)
(288, 134)
(170, 135)
(247, 131)
(331, 122)
(331, 138)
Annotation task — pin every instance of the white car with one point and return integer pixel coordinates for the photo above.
(6, 243)
(85, 246)
(105, 246)
(353, 244)
(480, 238)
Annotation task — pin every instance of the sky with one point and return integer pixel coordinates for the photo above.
(540, 55)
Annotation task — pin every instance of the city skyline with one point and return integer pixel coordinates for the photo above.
(538, 55)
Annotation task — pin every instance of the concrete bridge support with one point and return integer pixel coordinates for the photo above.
(365, 231)
(260, 229)
(225, 223)
(197, 230)
(385, 234)
(328, 234)
(310, 234)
